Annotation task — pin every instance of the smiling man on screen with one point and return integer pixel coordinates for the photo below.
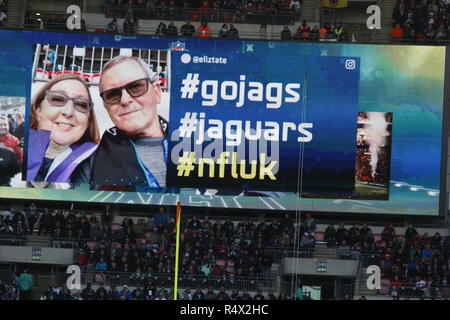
(134, 152)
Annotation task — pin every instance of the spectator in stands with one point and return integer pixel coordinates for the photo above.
(101, 265)
(161, 30)
(347, 297)
(45, 222)
(258, 295)
(187, 30)
(330, 34)
(20, 127)
(400, 15)
(7, 140)
(235, 294)
(436, 241)
(427, 253)
(125, 294)
(10, 294)
(430, 33)
(163, 293)
(271, 296)
(388, 233)
(315, 33)
(17, 215)
(186, 294)
(295, 6)
(50, 58)
(149, 225)
(286, 223)
(233, 33)
(138, 294)
(344, 250)
(113, 27)
(223, 33)
(353, 235)
(323, 31)
(198, 295)
(139, 228)
(101, 293)
(25, 283)
(397, 33)
(330, 236)
(441, 31)
(88, 293)
(172, 30)
(59, 218)
(9, 165)
(365, 230)
(127, 222)
(303, 31)
(32, 216)
(129, 27)
(228, 229)
(194, 224)
(113, 294)
(206, 269)
(161, 217)
(308, 223)
(204, 31)
(286, 33)
(222, 295)
(12, 123)
(266, 262)
(409, 32)
(82, 258)
(307, 239)
(340, 32)
(410, 233)
(246, 295)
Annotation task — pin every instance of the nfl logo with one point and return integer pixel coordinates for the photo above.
(178, 46)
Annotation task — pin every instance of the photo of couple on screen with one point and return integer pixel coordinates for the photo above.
(98, 116)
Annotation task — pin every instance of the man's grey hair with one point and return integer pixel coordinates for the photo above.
(119, 59)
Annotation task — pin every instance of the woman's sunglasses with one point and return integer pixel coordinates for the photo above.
(59, 99)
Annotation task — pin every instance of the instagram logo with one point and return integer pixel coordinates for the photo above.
(350, 64)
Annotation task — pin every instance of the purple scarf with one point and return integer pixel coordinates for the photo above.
(37, 146)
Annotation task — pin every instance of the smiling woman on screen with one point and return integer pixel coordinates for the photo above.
(63, 132)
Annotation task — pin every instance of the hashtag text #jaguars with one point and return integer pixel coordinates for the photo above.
(206, 167)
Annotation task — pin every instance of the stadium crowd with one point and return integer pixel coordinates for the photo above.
(225, 251)
(149, 292)
(411, 260)
(253, 11)
(217, 250)
(305, 32)
(418, 20)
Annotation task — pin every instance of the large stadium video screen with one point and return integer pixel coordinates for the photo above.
(232, 124)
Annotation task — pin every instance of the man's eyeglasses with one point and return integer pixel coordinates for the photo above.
(59, 99)
(135, 89)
